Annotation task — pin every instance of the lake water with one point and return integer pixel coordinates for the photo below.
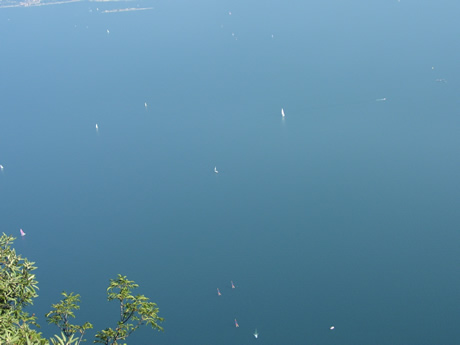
(343, 213)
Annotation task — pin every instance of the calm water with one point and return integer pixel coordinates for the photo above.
(344, 213)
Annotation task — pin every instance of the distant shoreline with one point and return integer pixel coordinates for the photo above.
(36, 3)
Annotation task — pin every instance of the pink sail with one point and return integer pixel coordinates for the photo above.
(22, 232)
(233, 285)
(218, 292)
(236, 324)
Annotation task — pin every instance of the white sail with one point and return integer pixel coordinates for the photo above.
(256, 335)
(282, 112)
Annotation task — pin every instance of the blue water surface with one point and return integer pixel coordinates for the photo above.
(343, 213)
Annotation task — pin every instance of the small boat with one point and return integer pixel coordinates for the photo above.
(215, 170)
(233, 285)
(332, 328)
(282, 112)
(236, 324)
(256, 335)
(1, 167)
(22, 232)
(145, 105)
(218, 292)
(97, 127)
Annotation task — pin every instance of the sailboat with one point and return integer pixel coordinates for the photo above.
(236, 324)
(233, 285)
(22, 232)
(218, 292)
(215, 170)
(282, 112)
(256, 335)
(1, 167)
(145, 105)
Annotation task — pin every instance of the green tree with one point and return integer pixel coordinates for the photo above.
(18, 288)
(135, 311)
(60, 315)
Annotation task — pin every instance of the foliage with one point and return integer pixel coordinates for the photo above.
(136, 309)
(18, 288)
(64, 340)
(60, 315)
